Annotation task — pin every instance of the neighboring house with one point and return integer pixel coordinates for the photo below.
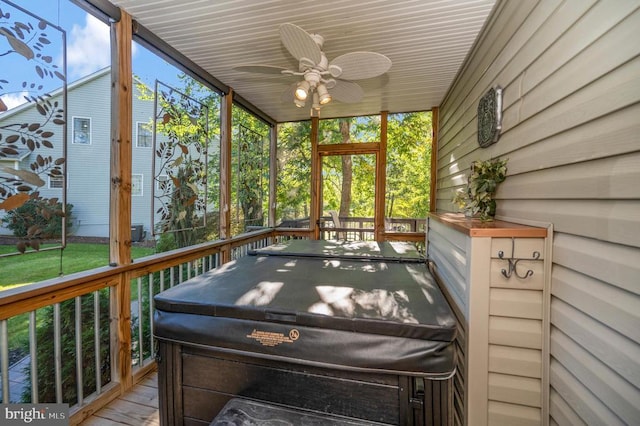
(571, 130)
(88, 154)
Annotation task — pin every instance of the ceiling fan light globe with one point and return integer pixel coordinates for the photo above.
(299, 103)
(302, 91)
(323, 95)
(301, 95)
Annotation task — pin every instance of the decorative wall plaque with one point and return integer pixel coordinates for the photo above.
(490, 117)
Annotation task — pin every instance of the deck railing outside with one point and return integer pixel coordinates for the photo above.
(355, 228)
(90, 333)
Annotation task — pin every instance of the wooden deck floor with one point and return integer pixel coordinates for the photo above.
(136, 408)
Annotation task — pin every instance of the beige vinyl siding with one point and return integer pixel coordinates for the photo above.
(570, 71)
(502, 318)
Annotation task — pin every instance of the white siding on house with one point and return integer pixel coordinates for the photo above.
(88, 166)
(570, 71)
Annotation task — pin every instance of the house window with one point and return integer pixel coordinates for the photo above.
(81, 130)
(56, 182)
(143, 137)
(136, 185)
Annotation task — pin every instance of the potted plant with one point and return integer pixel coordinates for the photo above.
(476, 199)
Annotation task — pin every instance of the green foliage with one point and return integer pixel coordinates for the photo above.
(361, 129)
(408, 164)
(166, 242)
(477, 196)
(38, 219)
(293, 186)
(250, 171)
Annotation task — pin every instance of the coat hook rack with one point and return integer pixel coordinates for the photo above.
(513, 263)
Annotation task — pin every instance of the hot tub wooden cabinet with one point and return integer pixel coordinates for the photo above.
(359, 330)
(496, 277)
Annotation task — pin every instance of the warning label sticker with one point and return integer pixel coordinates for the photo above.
(270, 338)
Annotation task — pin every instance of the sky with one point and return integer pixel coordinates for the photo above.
(88, 50)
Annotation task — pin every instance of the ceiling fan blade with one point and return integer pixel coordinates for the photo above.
(262, 69)
(346, 91)
(359, 65)
(300, 43)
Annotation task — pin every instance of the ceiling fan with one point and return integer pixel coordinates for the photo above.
(321, 81)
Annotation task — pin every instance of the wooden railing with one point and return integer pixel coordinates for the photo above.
(90, 333)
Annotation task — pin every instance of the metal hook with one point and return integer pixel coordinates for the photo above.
(513, 263)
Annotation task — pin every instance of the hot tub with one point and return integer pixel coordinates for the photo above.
(358, 330)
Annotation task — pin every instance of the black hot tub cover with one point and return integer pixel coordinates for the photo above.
(375, 315)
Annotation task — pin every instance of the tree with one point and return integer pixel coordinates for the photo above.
(348, 181)
(250, 172)
(347, 171)
(293, 185)
(408, 164)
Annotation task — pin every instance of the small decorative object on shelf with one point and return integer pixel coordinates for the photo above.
(476, 198)
(490, 117)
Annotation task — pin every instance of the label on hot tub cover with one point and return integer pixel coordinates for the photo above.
(270, 338)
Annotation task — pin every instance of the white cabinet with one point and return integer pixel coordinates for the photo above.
(496, 277)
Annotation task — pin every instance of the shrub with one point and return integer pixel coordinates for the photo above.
(38, 219)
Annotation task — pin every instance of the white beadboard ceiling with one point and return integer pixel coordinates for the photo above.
(426, 40)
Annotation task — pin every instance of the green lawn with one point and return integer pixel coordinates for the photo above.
(33, 267)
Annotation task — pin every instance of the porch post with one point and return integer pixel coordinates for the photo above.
(273, 174)
(120, 197)
(225, 171)
(381, 179)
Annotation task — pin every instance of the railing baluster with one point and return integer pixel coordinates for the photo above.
(33, 354)
(172, 278)
(151, 294)
(140, 336)
(57, 352)
(162, 280)
(180, 267)
(78, 327)
(96, 340)
(4, 367)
